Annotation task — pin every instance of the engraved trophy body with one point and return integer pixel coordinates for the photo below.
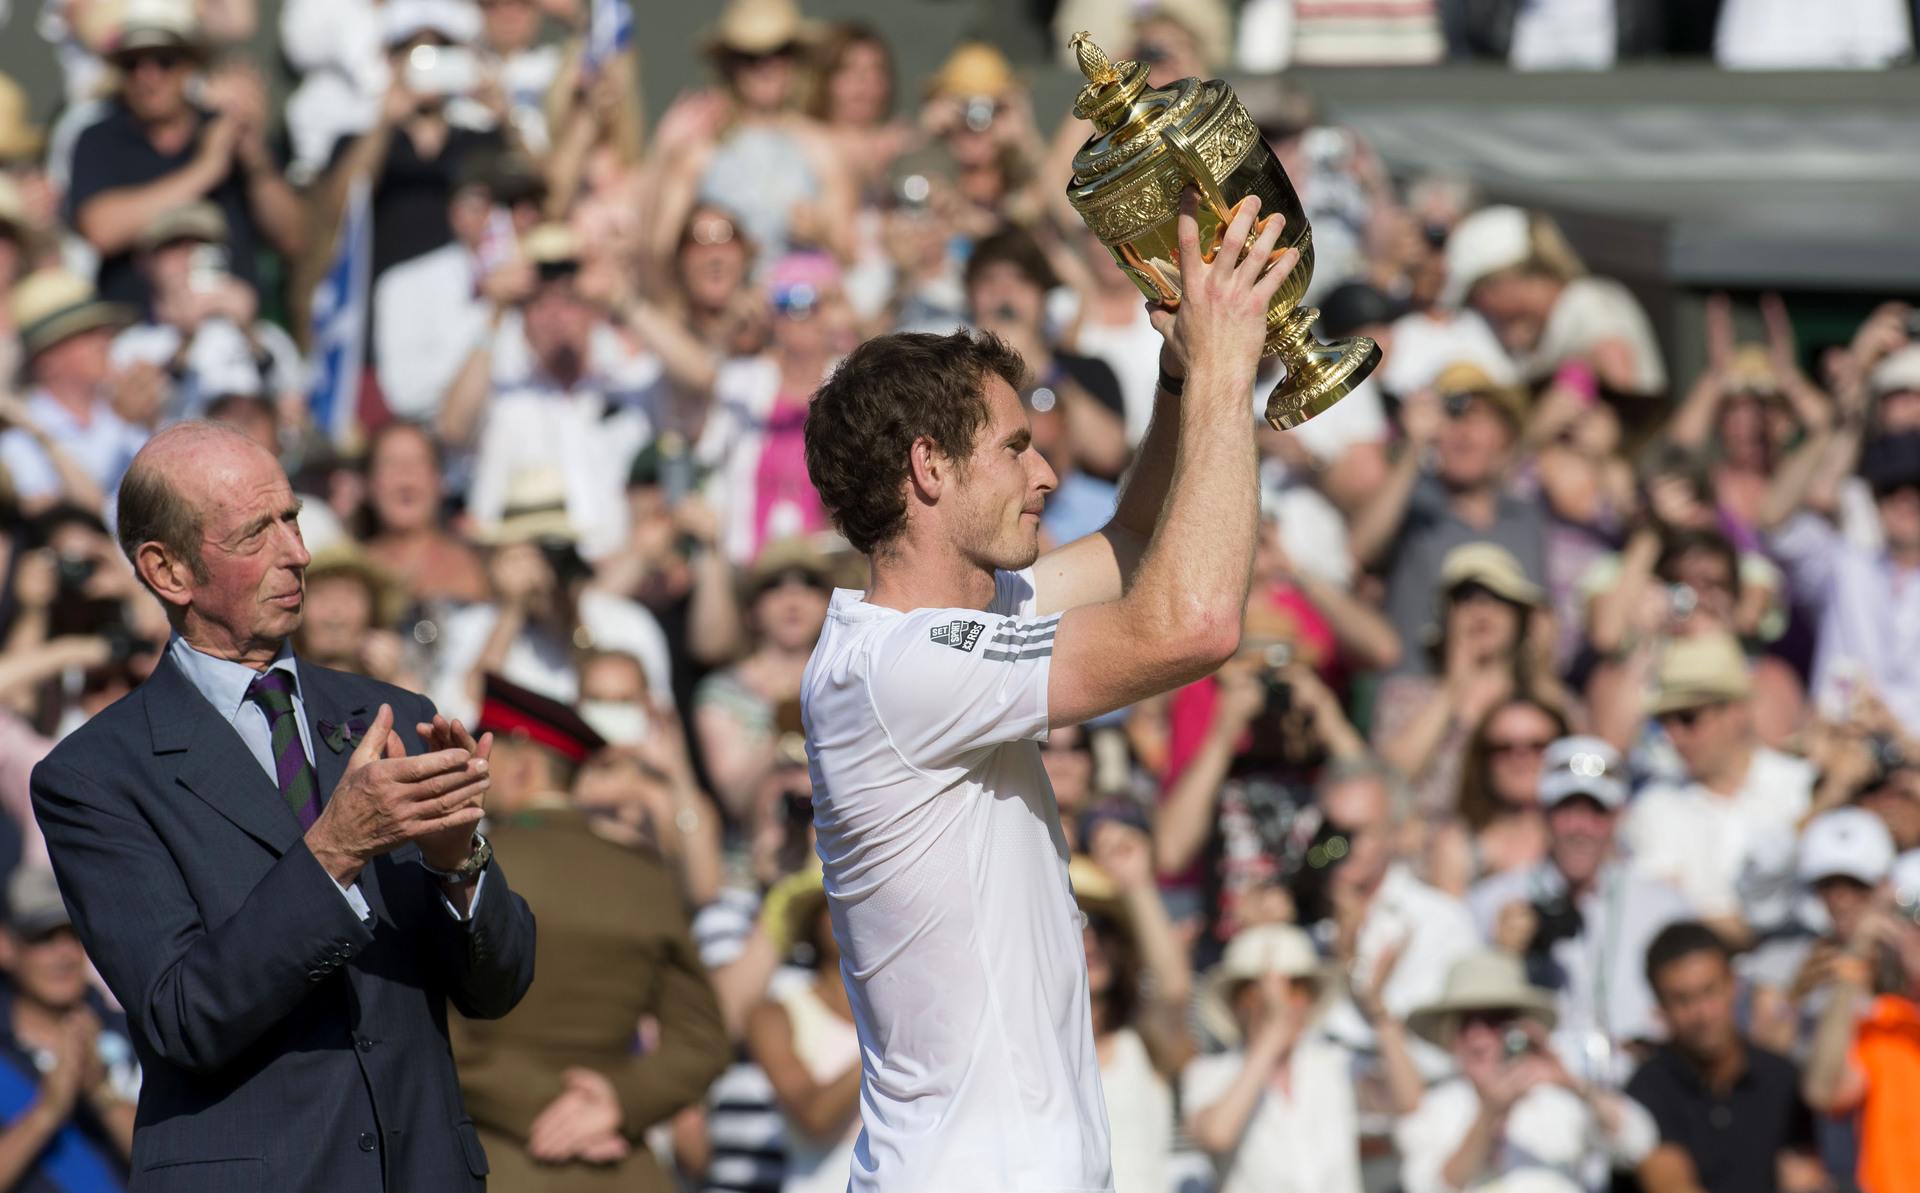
(1149, 144)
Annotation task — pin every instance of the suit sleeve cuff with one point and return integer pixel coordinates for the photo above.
(473, 904)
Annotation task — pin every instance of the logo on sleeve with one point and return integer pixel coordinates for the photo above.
(961, 635)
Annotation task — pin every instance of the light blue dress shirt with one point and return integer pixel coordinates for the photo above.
(224, 683)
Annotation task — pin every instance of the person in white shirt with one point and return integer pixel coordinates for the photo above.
(946, 867)
(1517, 271)
(1275, 1112)
(1706, 836)
(201, 325)
(1833, 35)
(1514, 1117)
(65, 333)
(1581, 920)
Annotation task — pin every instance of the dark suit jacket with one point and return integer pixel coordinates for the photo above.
(286, 1046)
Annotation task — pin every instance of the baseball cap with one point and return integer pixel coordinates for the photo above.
(34, 906)
(1583, 766)
(1845, 843)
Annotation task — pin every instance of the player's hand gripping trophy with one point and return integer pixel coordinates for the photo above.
(1150, 144)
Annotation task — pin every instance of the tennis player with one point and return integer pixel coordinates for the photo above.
(927, 695)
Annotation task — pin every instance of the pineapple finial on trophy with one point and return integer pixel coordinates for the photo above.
(1094, 63)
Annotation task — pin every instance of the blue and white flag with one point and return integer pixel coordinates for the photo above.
(609, 30)
(337, 343)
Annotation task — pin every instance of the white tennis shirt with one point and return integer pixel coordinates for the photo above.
(946, 873)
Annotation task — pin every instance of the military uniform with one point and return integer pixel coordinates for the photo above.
(612, 947)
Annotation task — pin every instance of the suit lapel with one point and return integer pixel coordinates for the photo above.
(214, 764)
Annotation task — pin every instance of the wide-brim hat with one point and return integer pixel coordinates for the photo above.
(1487, 981)
(1279, 949)
(1095, 891)
(1492, 567)
(797, 554)
(155, 25)
(1751, 371)
(20, 138)
(758, 27)
(1698, 670)
(535, 511)
(1470, 379)
(551, 244)
(974, 68)
(200, 221)
(13, 210)
(51, 305)
(345, 558)
(34, 905)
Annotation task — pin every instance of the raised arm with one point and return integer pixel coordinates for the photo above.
(1179, 617)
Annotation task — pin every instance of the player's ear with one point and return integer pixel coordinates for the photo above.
(929, 467)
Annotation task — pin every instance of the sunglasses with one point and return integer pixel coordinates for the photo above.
(1525, 745)
(1684, 718)
(711, 231)
(796, 576)
(1459, 405)
(1494, 1019)
(748, 58)
(133, 60)
(798, 301)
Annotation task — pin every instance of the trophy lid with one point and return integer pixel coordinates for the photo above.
(1127, 114)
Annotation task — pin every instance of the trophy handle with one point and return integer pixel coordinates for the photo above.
(1196, 167)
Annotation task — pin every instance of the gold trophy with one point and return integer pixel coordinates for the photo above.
(1148, 145)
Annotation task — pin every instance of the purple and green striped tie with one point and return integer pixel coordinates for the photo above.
(273, 692)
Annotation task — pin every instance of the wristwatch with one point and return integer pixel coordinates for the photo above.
(469, 870)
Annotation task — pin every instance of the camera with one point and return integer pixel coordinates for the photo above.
(442, 70)
(1313, 868)
(1515, 1043)
(206, 268)
(1555, 919)
(1682, 600)
(979, 113)
(1277, 657)
(74, 571)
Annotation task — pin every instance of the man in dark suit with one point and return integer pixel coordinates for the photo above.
(275, 867)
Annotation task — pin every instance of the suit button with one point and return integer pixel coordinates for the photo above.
(316, 975)
(367, 1141)
(363, 1043)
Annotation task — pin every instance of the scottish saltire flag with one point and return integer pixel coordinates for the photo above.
(609, 29)
(339, 321)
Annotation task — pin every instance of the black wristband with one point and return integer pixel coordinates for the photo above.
(1175, 386)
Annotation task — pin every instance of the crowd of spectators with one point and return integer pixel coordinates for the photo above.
(1556, 828)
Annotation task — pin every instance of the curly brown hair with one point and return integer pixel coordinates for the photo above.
(887, 393)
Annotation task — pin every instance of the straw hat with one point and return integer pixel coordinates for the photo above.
(1468, 379)
(551, 243)
(52, 305)
(19, 136)
(1094, 891)
(1701, 669)
(1898, 373)
(1751, 371)
(345, 558)
(201, 221)
(758, 27)
(13, 210)
(1493, 568)
(1487, 981)
(1281, 949)
(535, 510)
(1498, 238)
(785, 555)
(974, 68)
(1208, 21)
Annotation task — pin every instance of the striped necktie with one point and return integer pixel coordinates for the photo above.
(273, 692)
